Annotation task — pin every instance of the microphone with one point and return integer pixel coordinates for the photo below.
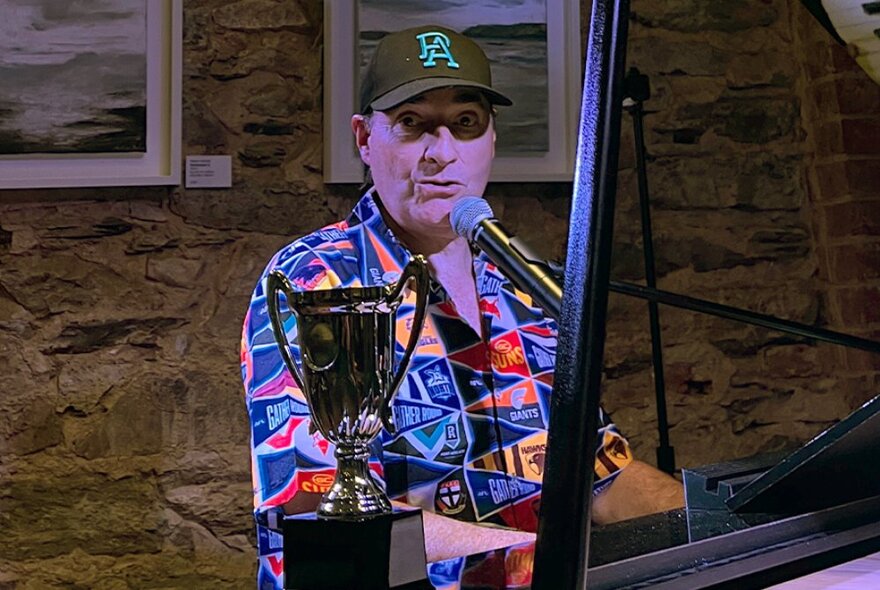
(472, 219)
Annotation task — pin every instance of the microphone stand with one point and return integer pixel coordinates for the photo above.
(563, 539)
(637, 89)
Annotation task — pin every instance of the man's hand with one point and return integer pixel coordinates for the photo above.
(446, 537)
(637, 491)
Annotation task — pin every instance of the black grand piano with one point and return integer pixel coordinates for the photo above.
(749, 523)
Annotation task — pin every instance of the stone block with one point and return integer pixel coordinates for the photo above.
(758, 121)
(681, 183)
(255, 15)
(853, 177)
(136, 420)
(858, 306)
(843, 61)
(270, 127)
(85, 337)
(780, 243)
(857, 136)
(798, 360)
(292, 210)
(832, 182)
(862, 135)
(175, 271)
(246, 61)
(846, 95)
(203, 127)
(56, 513)
(31, 429)
(852, 218)
(213, 503)
(272, 100)
(863, 175)
(262, 154)
(627, 261)
(692, 16)
(863, 360)
(695, 89)
(753, 181)
(855, 262)
(763, 69)
(767, 182)
(752, 120)
(655, 56)
(817, 58)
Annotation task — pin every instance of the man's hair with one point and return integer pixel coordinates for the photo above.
(368, 175)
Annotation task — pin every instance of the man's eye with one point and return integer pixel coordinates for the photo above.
(409, 121)
(467, 121)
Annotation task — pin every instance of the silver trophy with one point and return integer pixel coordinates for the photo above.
(346, 339)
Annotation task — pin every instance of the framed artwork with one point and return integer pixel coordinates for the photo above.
(88, 96)
(534, 47)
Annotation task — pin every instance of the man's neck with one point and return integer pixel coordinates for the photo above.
(450, 261)
(453, 268)
(426, 243)
(453, 260)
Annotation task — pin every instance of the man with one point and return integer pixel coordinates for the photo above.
(472, 413)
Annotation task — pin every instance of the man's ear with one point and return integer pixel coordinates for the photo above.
(361, 129)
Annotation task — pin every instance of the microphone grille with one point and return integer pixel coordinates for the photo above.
(467, 214)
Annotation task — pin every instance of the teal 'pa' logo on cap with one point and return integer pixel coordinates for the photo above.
(435, 45)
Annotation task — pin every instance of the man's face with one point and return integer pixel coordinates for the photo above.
(426, 154)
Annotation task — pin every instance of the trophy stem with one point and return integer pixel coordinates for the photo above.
(354, 494)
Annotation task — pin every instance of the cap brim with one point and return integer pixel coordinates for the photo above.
(407, 91)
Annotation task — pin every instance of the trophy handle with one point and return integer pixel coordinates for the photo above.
(417, 270)
(275, 283)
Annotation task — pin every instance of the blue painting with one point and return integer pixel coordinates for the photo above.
(513, 33)
(72, 76)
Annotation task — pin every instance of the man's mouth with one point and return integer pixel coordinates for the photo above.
(441, 187)
(438, 182)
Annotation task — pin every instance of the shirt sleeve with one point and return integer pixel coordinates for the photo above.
(612, 448)
(612, 453)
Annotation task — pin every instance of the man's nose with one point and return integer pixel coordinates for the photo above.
(441, 146)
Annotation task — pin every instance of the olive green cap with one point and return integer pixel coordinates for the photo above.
(410, 62)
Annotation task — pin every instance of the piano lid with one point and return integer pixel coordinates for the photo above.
(837, 466)
(855, 23)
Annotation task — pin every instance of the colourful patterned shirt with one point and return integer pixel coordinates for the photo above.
(471, 414)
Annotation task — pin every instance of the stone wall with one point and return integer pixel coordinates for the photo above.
(842, 115)
(123, 434)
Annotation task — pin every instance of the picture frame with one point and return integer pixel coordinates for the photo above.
(160, 163)
(564, 86)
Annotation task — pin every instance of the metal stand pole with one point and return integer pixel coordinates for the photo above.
(564, 524)
(638, 90)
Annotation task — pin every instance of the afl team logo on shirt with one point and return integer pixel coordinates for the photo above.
(450, 497)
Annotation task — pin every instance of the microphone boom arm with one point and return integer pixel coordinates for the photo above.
(529, 273)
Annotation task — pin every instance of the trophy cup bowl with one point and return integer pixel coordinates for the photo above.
(346, 339)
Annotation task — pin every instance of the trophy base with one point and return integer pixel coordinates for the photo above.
(385, 552)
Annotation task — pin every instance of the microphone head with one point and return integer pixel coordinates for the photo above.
(467, 214)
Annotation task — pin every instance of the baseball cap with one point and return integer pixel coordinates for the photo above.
(409, 62)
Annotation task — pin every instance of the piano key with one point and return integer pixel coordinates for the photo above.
(861, 32)
(851, 16)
